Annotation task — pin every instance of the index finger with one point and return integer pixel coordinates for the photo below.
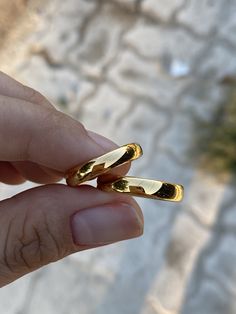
(47, 137)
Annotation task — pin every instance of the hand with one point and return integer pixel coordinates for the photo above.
(44, 224)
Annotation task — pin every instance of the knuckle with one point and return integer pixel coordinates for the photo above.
(32, 247)
(35, 97)
(64, 123)
(32, 95)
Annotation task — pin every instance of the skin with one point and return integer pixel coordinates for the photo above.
(44, 224)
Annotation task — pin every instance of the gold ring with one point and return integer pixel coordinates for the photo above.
(103, 164)
(145, 188)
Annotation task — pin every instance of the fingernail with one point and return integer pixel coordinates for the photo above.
(106, 224)
(102, 141)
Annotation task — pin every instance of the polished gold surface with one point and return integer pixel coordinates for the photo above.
(103, 164)
(145, 188)
(134, 186)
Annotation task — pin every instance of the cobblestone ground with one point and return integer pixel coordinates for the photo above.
(138, 71)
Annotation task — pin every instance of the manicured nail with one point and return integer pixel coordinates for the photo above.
(102, 141)
(106, 224)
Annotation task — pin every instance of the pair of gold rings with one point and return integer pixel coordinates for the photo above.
(134, 186)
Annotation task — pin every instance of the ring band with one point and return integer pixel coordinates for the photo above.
(145, 188)
(103, 164)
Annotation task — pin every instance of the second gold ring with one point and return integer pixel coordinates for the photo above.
(147, 188)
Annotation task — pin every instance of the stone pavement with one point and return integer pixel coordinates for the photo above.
(142, 71)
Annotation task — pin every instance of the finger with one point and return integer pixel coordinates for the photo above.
(47, 137)
(47, 223)
(12, 88)
(43, 175)
(52, 172)
(33, 172)
(9, 175)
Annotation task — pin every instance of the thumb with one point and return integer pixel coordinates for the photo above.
(47, 223)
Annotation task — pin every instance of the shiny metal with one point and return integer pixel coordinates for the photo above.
(145, 188)
(103, 164)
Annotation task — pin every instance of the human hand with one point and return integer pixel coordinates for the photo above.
(44, 224)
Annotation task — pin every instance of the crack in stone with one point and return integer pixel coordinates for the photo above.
(178, 10)
(223, 287)
(173, 23)
(88, 19)
(80, 111)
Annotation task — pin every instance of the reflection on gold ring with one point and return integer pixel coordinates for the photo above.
(103, 164)
(145, 188)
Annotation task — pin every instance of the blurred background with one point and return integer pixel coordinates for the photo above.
(161, 73)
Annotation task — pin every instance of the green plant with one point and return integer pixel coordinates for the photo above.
(217, 138)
